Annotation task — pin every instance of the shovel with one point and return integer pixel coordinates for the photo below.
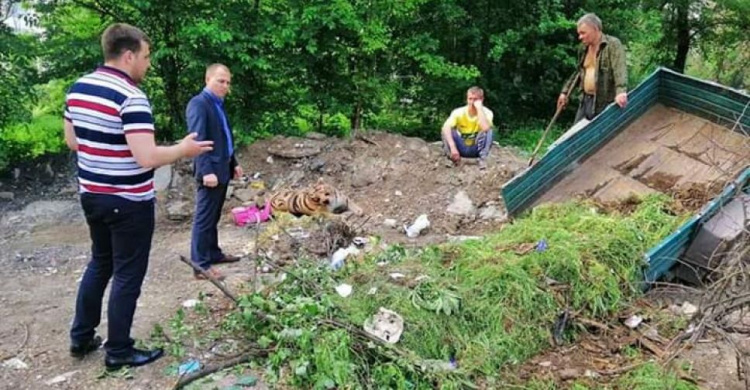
(552, 122)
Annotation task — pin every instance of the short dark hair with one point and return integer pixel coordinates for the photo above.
(119, 37)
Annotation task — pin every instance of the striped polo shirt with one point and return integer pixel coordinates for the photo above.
(103, 107)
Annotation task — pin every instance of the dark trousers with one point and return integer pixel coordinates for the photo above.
(586, 109)
(204, 246)
(480, 149)
(121, 232)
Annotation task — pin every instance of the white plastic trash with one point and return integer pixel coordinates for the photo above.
(386, 325)
(419, 224)
(344, 290)
(338, 257)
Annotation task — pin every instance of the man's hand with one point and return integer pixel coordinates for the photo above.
(622, 99)
(238, 172)
(562, 101)
(478, 104)
(210, 180)
(455, 156)
(191, 148)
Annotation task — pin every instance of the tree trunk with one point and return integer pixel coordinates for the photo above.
(682, 26)
(320, 119)
(170, 73)
(356, 117)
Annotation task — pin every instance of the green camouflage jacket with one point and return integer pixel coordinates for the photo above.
(611, 75)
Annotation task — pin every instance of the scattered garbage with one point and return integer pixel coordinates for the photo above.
(61, 378)
(545, 364)
(591, 374)
(386, 325)
(398, 193)
(688, 308)
(344, 290)
(435, 365)
(419, 224)
(541, 246)
(462, 238)
(561, 323)
(633, 321)
(251, 215)
(189, 367)
(651, 333)
(269, 160)
(360, 241)
(397, 275)
(190, 303)
(16, 364)
(372, 291)
(338, 257)
(390, 222)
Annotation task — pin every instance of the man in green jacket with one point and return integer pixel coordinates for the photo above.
(602, 72)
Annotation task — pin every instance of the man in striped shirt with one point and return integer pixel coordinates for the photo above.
(108, 122)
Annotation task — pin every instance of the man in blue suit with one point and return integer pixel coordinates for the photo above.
(206, 116)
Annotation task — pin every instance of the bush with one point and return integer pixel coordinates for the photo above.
(43, 134)
(22, 141)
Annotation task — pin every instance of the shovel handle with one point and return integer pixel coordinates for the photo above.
(567, 92)
(544, 135)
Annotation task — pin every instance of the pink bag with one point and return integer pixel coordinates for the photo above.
(245, 215)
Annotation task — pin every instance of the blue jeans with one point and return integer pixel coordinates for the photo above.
(121, 232)
(480, 149)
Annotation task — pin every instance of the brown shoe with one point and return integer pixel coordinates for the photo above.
(215, 274)
(227, 259)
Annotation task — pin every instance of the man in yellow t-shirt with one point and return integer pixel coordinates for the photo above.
(468, 131)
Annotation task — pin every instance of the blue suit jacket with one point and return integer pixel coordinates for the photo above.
(203, 118)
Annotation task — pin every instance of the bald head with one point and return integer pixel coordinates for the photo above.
(211, 69)
(218, 79)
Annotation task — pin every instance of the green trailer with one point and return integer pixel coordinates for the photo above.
(675, 131)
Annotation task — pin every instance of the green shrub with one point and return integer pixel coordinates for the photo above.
(43, 133)
(30, 140)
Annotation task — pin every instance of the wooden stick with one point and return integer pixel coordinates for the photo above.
(544, 135)
(549, 126)
(211, 279)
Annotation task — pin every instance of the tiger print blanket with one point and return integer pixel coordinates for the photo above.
(316, 199)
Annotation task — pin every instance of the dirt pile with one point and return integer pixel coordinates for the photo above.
(392, 178)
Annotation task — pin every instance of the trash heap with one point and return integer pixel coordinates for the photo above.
(453, 315)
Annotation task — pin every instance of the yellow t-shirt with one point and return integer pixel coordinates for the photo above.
(467, 126)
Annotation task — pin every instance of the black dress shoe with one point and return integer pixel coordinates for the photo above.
(138, 357)
(83, 349)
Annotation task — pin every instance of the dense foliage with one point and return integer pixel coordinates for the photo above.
(336, 65)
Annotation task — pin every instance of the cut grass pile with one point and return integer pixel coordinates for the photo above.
(509, 299)
(486, 304)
